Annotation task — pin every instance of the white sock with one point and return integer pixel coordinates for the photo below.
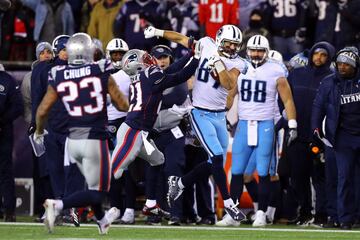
(229, 203)
(270, 213)
(150, 203)
(181, 185)
(129, 210)
(59, 205)
(256, 206)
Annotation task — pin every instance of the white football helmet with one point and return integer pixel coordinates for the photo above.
(275, 55)
(136, 60)
(228, 33)
(116, 44)
(80, 49)
(257, 42)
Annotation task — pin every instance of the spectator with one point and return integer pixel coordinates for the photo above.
(213, 14)
(256, 27)
(86, 10)
(183, 16)
(338, 101)
(305, 82)
(283, 18)
(52, 18)
(42, 187)
(76, 7)
(338, 23)
(11, 107)
(16, 35)
(245, 9)
(102, 19)
(132, 20)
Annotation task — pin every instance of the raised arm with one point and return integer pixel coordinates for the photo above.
(172, 36)
(117, 97)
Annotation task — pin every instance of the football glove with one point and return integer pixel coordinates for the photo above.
(39, 137)
(151, 32)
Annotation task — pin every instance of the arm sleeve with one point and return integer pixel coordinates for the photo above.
(178, 65)
(318, 109)
(38, 90)
(170, 80)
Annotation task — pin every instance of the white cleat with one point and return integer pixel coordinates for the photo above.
(128, 217)
(109, 217)
(227, 221)
(260, 219)
(50, 214)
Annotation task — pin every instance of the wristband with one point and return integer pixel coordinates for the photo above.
(159, 32)
(219, 66)
(292, 123)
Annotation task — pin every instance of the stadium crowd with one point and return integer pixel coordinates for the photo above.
(280, 78)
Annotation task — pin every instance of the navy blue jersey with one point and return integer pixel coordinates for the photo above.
(83, 90)
(146, 92)
(326, 21)
(131, 22)
(285, 15)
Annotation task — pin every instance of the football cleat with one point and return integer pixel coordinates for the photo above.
(128, 218)
(109, 217)
(50, 214)
(75, 217)
(228, 221)
(260, 219)
(235, 213)
(155, 211)
(174, 191)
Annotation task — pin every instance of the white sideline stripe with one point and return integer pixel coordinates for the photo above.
(214, 228)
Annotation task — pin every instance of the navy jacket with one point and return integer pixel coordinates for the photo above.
(327, 103)
(304, 82)
(58, 118)
(11, 103)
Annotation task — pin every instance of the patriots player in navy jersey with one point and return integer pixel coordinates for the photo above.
(82, 87)
(148, 83)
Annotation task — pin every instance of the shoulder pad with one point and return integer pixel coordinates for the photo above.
(155, 74)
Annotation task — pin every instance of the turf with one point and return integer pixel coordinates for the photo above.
(36, 231)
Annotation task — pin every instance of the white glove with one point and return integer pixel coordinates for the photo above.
(39, 138)
(211, 62)
(215, 62)
(151, 32)
(197, 50)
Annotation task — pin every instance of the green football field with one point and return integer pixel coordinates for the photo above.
(24, 231)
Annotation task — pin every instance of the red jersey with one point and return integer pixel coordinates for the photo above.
(216, 13)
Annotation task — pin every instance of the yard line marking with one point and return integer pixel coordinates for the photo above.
(86, 226)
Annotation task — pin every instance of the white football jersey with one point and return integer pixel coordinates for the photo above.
(257, 89)
(123, 82)
(207, 92)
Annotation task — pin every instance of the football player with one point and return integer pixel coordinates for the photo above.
(82, 88)
(258, 87)
(216, 75)
(148, 81)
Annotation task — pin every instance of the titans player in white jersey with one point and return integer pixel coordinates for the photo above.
(218, 69)
(258, 87)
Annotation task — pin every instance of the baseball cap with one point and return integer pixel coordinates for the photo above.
(160, 51)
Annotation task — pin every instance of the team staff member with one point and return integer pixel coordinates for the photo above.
(305, 82)
(338, 99)
(11, 106)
